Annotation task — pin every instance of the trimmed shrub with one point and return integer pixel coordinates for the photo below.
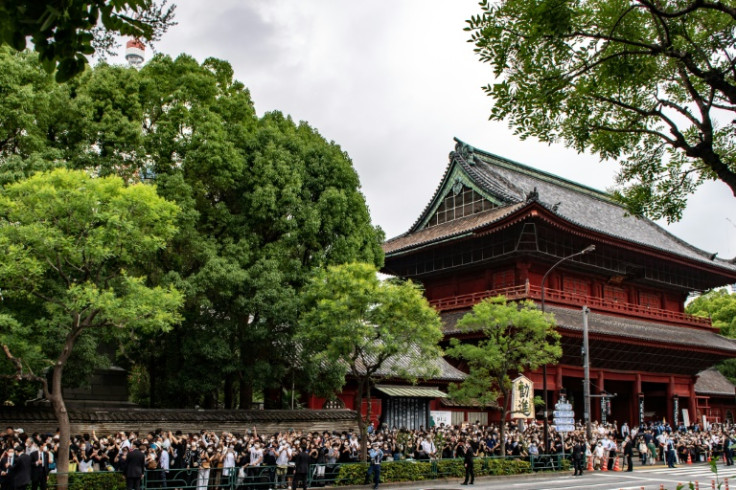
(101, 480)
(410, 470)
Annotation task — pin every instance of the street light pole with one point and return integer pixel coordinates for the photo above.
(545, 422)
(586, 376)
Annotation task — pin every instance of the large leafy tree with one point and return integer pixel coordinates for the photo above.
(353, 324)
(720, 306)
(650, 83)
(73, 254)
(516, 337)
(264, 200)
(64, 33)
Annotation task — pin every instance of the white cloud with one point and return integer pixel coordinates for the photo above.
(393, 82)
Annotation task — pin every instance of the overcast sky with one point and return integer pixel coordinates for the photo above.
(392, 82)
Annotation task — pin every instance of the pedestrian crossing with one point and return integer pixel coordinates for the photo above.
(684, 474)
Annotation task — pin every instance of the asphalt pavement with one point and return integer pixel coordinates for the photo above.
(643, 477)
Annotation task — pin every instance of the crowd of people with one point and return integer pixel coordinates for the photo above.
(207, 459)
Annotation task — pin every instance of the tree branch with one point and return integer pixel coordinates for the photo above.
(20, 375)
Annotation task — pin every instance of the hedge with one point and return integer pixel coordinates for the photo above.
(99, 480)
(396, 471)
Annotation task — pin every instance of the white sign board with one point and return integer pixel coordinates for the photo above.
(522, 398)
(686, 417)
(441, 417)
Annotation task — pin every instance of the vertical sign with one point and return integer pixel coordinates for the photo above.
(522, 398)
(676, 415)
(641, 410)
(604, 409)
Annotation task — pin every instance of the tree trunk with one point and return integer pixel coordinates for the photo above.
(502, 426)
(246, 393)
(62, 418)
(152, 385)
(363, 434)
(228, 389)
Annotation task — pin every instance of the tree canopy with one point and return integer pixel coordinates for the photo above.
(263, 201)
(720, 306)
(65, 33)
(73, 257)
(515, 338)
(652, 84)
(353, 324)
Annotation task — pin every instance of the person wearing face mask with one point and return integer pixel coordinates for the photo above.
(39, 467)
(203, 476)
(134, 468)
(6, 463)
(191, 463)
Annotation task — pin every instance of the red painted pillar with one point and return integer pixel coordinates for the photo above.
(670, 395)
(558, 383)
(635, 401)
(596, 402)
(691, 403)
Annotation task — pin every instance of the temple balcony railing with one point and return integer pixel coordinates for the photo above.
(566, 298)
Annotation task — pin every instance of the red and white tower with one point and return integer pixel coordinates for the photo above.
(135, 53)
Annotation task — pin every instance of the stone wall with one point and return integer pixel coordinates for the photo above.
(108, 421)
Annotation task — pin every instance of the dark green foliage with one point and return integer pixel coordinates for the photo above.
(65, 33)
(720, 306)
(92, 481)
(397, 471)
(264, 201)
(650, 84)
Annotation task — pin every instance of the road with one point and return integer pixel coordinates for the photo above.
(648, 478)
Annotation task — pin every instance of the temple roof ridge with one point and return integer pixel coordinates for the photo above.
(506, 183)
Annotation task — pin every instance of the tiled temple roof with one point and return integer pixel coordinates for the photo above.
(712, 382)
(514, 184)
(403, 363)
(615, 326)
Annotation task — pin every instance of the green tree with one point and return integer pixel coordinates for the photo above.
(65, 33)
(720, 306)
(73, 255)
(650, 83)
(263, 201)
(517, 337)
(353, 324)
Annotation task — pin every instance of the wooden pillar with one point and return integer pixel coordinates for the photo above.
(692, 402)
(558, 383)
(670, 405)
(635, 401)
(596, 402)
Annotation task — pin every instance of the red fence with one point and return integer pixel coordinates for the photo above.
(558, 297)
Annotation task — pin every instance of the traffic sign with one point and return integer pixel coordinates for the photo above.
(564, 428)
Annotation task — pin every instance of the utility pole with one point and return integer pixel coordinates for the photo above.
(586, 376)
(545, 422)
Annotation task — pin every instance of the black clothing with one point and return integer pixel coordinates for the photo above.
(21, 471)
(629, 455)
(578, 458)
(469, 466)
(39, 469)
(301, 468)
(134, 469)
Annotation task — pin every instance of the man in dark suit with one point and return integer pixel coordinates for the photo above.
(21, 470)
(301, 468)
(468, 463)
(6, 463)
(39, 467)
(134, 468)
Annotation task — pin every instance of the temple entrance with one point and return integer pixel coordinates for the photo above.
(655, 402)
(621, 407)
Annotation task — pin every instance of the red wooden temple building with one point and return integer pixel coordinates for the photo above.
(496, 227)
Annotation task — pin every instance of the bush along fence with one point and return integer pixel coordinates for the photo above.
(320, 475)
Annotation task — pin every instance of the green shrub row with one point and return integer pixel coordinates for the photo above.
(102, 480)
(396, 471)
